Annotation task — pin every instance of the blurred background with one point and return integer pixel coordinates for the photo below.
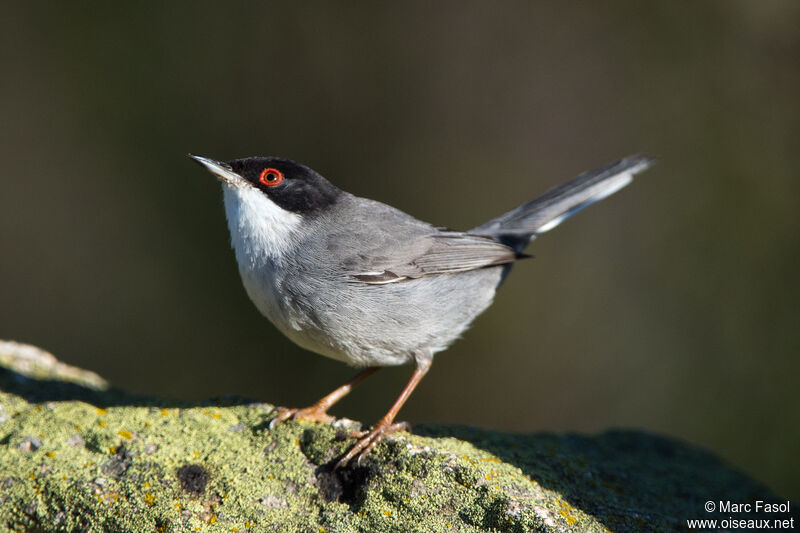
(673, 306)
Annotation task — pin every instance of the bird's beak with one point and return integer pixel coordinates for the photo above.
(220, 170)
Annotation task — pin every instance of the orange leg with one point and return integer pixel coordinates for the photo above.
(386, 425)
(319, 411)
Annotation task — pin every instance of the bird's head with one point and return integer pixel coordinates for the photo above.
(289, 185)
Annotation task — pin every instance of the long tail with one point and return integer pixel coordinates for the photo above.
(521, 225)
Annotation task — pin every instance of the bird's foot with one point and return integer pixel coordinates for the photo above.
(309, 414)
(367, 440)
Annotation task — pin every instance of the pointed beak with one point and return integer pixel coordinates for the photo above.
(221, 170)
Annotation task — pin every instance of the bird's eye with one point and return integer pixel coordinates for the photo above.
(270, 177)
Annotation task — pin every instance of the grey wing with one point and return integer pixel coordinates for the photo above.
(443, 252)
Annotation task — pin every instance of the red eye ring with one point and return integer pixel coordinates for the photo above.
(270, 177)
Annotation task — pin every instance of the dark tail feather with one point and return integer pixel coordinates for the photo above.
(521, 225)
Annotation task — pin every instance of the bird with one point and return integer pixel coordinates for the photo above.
(364, 283)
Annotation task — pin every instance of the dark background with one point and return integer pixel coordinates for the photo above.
(673, 306)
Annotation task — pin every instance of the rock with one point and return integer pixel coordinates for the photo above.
(78, 455)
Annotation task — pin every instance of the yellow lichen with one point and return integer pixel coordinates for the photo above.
(566, 512)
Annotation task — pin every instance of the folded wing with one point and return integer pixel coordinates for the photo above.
(445, 252)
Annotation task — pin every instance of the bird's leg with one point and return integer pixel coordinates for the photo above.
(319, 411)
(386, 425)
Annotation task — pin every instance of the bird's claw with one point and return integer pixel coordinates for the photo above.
(310, 414)
(368, 440)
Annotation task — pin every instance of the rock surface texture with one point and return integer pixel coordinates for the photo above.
(79, 455)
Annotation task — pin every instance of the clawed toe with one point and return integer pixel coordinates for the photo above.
(368, 440)
(283, 415)
(310, 414)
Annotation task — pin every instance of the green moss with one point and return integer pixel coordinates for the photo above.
(120, 463)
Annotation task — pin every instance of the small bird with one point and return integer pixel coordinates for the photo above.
(367, 284)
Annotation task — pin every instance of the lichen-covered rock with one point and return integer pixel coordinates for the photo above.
(76, 455)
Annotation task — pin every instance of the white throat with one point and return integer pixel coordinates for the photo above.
(260, 229)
